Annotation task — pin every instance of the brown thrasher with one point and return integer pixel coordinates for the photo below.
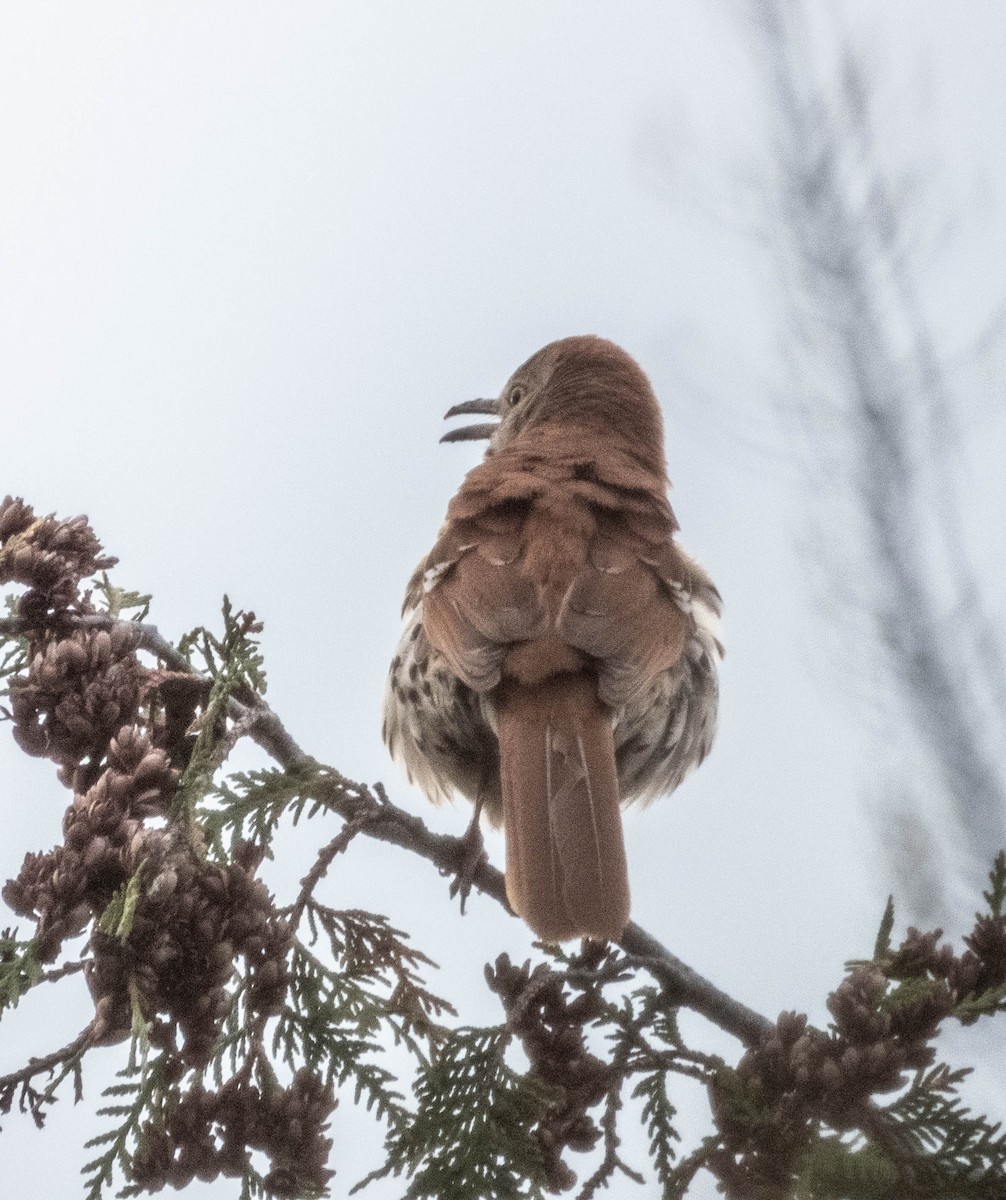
(560, 649)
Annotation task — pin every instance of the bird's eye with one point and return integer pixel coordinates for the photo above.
(516, 396)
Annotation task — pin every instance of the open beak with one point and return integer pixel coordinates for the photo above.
(472, 433)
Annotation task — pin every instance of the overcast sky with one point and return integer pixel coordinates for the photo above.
(250, 253)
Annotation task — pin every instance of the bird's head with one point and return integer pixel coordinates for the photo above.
(586, 384)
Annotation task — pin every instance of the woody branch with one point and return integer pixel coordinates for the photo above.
(376, 816)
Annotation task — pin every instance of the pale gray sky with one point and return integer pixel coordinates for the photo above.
(250, 253)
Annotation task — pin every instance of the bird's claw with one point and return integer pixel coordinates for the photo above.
(471, 855)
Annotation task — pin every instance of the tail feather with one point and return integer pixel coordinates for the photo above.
(566, 872)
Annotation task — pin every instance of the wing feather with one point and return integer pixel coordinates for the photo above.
(628, 609)
(477, 603)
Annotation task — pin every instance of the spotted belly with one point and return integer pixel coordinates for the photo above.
(444, 733)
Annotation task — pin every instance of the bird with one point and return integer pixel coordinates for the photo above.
(560, 651)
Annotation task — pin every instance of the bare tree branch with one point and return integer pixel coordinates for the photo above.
(877, 375)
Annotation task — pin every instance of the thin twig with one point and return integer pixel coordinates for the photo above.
(57, 973)
(612, 1161)
(38, 1066)
(325, 858)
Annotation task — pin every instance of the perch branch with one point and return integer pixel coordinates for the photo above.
(379, 818)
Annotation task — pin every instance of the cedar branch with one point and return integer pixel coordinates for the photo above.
(381, 819)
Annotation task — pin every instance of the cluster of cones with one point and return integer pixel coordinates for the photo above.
(167, 926)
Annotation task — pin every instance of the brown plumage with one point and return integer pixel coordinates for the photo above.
(560, 650)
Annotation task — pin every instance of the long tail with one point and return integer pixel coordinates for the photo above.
(565, 857)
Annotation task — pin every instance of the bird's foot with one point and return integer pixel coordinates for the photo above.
(471, 855)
